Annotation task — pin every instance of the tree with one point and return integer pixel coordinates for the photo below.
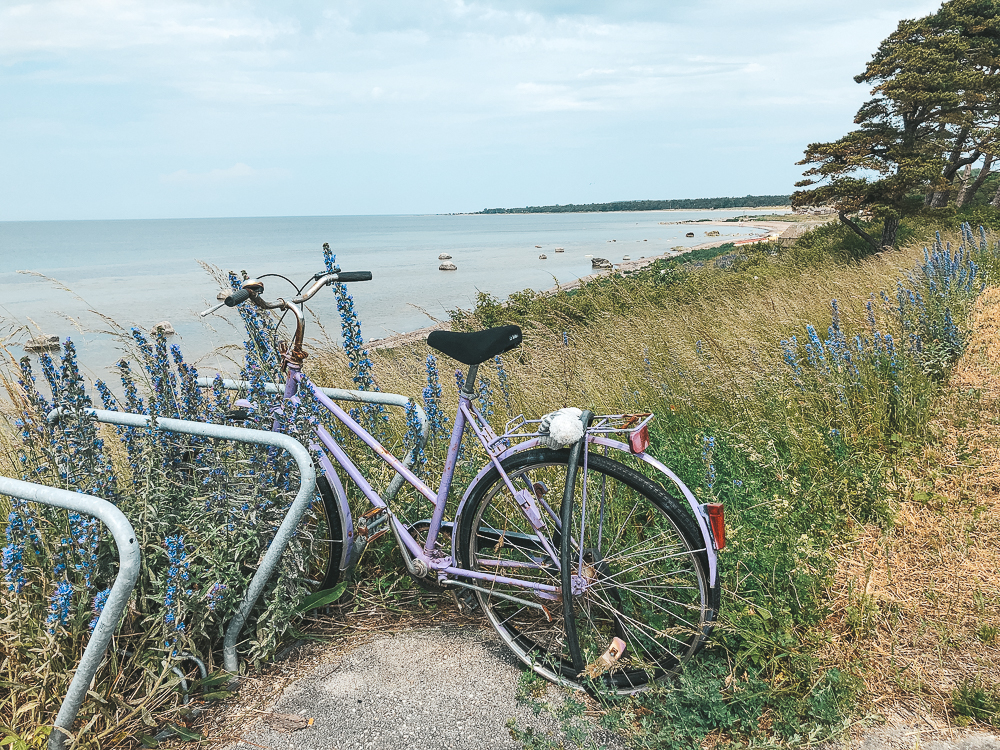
(936, 99)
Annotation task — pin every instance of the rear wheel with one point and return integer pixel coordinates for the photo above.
(637, 562)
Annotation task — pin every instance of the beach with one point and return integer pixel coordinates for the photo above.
(773, 229)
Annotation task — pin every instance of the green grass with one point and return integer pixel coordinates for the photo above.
(801, 460)
(799, 468)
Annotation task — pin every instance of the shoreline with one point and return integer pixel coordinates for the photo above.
(774, 228)
(786, 207)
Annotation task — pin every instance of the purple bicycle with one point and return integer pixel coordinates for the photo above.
(595, 575)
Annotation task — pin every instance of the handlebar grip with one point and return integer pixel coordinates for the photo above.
(241, 295)
(345, 276)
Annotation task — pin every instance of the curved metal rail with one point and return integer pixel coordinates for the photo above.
(303, 498)
(363, 397)
(121, 589)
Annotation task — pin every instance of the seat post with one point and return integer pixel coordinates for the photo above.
(470, 381)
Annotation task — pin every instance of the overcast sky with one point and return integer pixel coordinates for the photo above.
(162, 108)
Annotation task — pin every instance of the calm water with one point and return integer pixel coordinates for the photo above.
(143, 272)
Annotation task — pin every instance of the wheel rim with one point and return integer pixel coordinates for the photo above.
(641, 582)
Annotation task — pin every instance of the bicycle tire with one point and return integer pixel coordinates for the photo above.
(660, 634)
(325, 535)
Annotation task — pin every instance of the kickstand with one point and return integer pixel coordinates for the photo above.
(465, 600)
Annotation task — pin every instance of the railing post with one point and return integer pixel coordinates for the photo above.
(121, 589)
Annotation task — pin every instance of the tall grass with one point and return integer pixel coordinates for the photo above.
(809, 371)
(785, 383)
(204, 512)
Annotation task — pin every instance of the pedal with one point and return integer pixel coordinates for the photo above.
(465, 601)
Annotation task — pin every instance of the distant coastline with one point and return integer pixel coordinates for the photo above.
(681, 204)
(774, 229)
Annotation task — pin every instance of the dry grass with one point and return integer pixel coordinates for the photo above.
(739, 321)
(917, 609)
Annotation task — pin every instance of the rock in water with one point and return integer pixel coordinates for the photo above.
(42, 343)
(542, 257)
(713, 233)
(168, 330)
(560, 250)
(626, 257)
(689, 234)
(444, 256)
(447, 267)
(601, 263)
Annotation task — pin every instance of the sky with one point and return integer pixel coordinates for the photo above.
(111, 109)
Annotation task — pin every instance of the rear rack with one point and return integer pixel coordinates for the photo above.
(519, 427)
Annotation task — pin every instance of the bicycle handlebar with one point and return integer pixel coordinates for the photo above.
(237, 297)
(344, 276)
(252, 288)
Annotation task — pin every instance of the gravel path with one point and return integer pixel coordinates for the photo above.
(441, 687)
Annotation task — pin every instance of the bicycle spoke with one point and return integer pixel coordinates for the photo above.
(632, 546)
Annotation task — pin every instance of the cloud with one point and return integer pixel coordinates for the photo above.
(236, 174)
(355, 95)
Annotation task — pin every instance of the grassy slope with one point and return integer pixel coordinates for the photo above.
(700, 347)
(818, 622)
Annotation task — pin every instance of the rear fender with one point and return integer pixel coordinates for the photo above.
(696, 508)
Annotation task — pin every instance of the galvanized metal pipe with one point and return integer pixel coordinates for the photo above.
(307, 489)
(121, 589)
(364, 397)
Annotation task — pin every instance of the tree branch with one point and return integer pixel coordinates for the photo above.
(853, 226)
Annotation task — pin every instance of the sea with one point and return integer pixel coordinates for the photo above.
(93, 280)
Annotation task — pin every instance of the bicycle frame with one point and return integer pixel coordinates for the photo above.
(420, 560)
(555, 557)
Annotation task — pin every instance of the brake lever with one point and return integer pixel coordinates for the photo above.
(211, 310)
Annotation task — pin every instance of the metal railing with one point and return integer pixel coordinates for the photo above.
(363, 397)
(125, 536)
(303, 498)
(114, 607)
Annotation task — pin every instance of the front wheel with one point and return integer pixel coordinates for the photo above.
(316, 547)
(637, 562)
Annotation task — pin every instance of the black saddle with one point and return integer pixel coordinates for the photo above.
(475, 348)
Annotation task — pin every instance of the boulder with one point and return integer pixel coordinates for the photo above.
(626, 257)
(601, 263)
(713, 233)
(444, 256)
(446, 266)
(537, 245)
(689, 234)
(42, 343)
(168, 330)
(560, 250)
(542, 257)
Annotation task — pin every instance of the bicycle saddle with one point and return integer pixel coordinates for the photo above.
(477, 347)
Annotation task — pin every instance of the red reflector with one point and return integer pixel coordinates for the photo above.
(638, 441)
(717, 522)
